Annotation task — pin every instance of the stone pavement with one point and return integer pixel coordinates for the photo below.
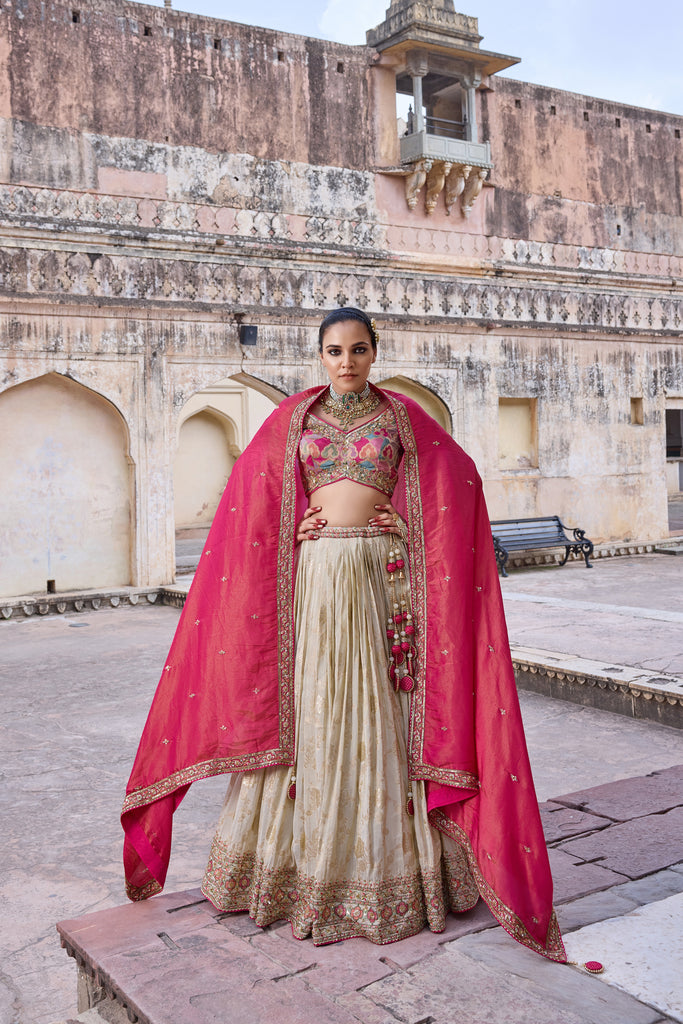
(76, 690)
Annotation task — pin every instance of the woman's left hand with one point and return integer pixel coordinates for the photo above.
(388, 518)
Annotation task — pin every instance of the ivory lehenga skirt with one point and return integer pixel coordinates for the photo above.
(344, 857)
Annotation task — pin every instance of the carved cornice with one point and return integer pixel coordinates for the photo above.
(135, 280)
(435, 16)
(96, 219)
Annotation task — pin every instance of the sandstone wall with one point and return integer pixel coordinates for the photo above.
(192, 80)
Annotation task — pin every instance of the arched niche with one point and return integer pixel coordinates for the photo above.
(207, 450)
(214, 427)
(66, 501)
(429, 401)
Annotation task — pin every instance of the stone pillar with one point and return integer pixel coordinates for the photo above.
(470, 84)
(417, 67)
(417, 103)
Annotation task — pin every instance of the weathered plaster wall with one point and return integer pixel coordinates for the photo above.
(193, 80)
(574, 169)
(203, 462)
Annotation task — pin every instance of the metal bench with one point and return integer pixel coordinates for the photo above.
(541, 532)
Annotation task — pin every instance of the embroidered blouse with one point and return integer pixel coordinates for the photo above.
(370, 454)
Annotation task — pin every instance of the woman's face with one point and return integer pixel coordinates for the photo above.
(347, 355)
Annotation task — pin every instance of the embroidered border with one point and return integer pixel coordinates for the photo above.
(202, 770)
(382, 912)
(513, 925)
(285, 577)
(418, 587)
(138, 893)
(448, 776)
(342, 532)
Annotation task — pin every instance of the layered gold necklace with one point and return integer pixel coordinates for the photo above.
(349, 407)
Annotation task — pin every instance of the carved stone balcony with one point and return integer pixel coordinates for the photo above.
(435, 54)
(421, 145)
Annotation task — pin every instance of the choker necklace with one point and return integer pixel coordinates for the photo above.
(351, 406)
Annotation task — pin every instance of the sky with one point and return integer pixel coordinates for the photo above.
(622, 50)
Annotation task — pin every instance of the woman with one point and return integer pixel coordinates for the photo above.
(347, 659)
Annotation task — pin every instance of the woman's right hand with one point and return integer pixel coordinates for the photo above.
(309, 526)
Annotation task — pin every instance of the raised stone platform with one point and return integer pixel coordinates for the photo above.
(66, 601)
(635, 692)
(613, 850)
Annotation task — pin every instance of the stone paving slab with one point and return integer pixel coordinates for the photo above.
(652, 888)
(574, 878)
(597, 906)
(486, 979)
(643, 951)
(621, 899)
(633, 848)
(631, 798)
(130, 952)
(564, 990)
(560, 822)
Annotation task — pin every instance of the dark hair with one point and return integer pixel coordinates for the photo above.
(338, 316)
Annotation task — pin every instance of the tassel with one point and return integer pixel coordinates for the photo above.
(591, 966)
(291, 792)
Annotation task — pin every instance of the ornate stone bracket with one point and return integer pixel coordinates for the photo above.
(461, 182)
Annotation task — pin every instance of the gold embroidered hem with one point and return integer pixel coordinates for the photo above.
(330, 911)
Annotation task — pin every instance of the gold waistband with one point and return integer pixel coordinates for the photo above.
(350, 531)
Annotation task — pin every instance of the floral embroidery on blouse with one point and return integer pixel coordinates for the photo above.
(370, 454)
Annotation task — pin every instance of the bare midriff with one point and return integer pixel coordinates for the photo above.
(347, 503)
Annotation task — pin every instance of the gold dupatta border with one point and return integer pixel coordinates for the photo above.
(137, 893)
(418, 768)
(513, 925)
(201, 770)
(285, 578)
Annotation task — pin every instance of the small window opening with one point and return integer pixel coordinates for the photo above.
(281, 56)
(216, 44)
(518, 104)
(617, 122)
(618, 229)
(585, 115)
(76, 17)
(147, 30)
(637, 412)
(552, 110)
(517, 433)
(677, 133)
(648, 128)
(340, 67)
